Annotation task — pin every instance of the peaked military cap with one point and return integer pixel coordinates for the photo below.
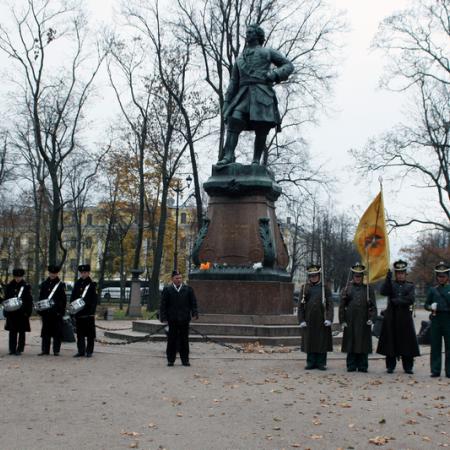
(84, 268)
(53, 268)
(18, 272)
(313, 269)
(442, 268)
(175, 273)
(358, 268)
(400, 266)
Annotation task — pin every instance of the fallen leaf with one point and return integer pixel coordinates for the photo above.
(411, 422)
(380, 440)
(345, 405)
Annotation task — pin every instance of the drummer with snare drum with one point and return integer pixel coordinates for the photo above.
(17, 308)
(83, 303)
(51, 307)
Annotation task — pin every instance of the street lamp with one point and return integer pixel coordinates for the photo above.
(178, 190)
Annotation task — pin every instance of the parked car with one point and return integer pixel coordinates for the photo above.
(113, 293)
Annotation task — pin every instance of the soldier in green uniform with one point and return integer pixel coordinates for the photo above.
(250, 101)
(398, 335)
(315, 315)
(438, 302)
(357, 310)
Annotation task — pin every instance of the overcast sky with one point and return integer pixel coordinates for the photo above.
(359, 110)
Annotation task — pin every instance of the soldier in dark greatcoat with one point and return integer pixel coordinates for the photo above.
(398, 335)
(357, 310)
(438, 302)
(315, 315)
(85, 319)
(178, 306)
(52, 318)
(18, 321)
(250, 101)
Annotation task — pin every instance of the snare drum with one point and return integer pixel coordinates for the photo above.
(12, 304)
(43, 305)
(76, 306)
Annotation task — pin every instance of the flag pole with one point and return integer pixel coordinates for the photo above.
(380, 180)
(368, 273)
(323, 281)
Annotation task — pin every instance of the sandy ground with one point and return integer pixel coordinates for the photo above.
(126, 397)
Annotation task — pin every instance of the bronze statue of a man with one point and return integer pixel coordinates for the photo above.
(250, 101)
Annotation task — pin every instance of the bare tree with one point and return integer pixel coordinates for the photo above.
(6, 167)
(131, 59)
(175, 71)
(80, 180)
(416, 44)
(56, 96)
(33, 174)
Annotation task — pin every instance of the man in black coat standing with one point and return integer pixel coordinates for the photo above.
(315, 316)
(52, 318)
(86, 289)
(18, 321)
(357, 310)
(178, 306)
(398, 335)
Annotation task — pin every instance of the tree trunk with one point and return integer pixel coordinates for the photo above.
(54, 221)
(157, 255)
(140, 221)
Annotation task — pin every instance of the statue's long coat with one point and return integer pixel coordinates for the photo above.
(249, 89)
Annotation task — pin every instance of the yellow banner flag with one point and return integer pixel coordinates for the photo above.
(371, 240)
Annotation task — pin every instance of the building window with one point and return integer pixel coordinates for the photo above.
(89, 219)
(183, 217)
(88, 242)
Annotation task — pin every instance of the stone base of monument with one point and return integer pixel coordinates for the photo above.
(243, 297)
(274, 330)
(242, 246)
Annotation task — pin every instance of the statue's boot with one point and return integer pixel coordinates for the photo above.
(230, 145)
(259, 147)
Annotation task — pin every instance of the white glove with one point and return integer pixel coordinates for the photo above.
(344, 324)
(369, 322)
(303, 325)
(434, 306)
(327, 323)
